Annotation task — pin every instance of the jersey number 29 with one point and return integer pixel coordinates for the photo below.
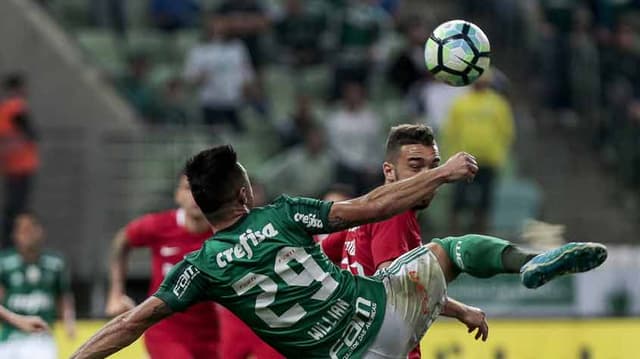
(311, 272)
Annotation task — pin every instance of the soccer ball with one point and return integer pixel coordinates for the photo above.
(457, 52)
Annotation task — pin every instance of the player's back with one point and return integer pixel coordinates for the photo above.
(269, 272)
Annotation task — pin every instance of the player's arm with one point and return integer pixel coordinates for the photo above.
(26, 323)
(68, 311)
(472, 317)
(124, 329)
(393, 198)
(117, 301)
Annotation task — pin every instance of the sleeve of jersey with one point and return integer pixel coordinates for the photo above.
(140, 232)
(311, 215)
(389, 240)
(184, 286)
(333, 246)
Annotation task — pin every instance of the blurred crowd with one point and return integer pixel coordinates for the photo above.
(578, 59)
(588, 54)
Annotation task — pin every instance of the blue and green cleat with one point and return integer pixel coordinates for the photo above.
(573, 257)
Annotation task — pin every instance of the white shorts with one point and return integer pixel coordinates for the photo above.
(33, 346)
(416, 292)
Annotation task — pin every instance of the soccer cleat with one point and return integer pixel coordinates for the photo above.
(573, 257)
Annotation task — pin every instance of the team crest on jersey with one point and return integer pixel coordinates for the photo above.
(309, 220)
(185, 280)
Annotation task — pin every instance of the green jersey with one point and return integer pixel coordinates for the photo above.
(267, 270)
(31, 288)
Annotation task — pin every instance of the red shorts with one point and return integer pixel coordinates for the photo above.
(238, 341)
(165, 342)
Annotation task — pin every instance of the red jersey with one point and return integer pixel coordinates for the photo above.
(362, 249)
(165, 235)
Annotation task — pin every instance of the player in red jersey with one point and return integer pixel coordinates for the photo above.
(170, 235)
(365, 249)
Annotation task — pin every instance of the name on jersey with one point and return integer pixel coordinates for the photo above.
(309, 220)
(329, 321)
(246, 242)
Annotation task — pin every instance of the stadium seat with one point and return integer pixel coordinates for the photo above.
(154, 44)
(102, 48)
(515, 201)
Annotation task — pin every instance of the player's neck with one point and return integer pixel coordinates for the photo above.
(29, 255)
(228, 217)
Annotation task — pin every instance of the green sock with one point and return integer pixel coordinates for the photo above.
(479, 256)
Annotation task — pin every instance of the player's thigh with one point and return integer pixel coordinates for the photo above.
(163, 347)
(416, 291)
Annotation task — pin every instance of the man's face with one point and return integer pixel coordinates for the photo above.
(410, 160)
(27, 232)
(184, 199)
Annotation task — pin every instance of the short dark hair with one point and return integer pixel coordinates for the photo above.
(214, 176)
(407, 135)
(13, 81)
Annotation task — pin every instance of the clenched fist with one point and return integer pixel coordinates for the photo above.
(461, 166)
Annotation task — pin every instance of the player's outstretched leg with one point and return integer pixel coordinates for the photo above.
(570, 258)
(485, 256)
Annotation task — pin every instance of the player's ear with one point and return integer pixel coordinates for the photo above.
(243, 197)
(389, 171)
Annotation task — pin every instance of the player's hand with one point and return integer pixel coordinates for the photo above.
(118, 304)
(474, 318)
(461, 166)
(30, 323)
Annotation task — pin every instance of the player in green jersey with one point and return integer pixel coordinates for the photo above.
(263, 265)
(35, 283)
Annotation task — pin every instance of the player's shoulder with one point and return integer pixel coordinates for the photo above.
(9, 258)
(52, 260)
(161, 218)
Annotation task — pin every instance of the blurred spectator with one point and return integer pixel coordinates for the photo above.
(354, 138)
(134, 87)
(248, 20)
(392, 7)
(430, 101)
(291, 132)
(109, 13)
(19, 158)
(408, 68)
(584, 68)
(553, 49)
(360, 28)
(172, 15)
(338, 192)
(303, 170)
(481, 123)
(300, 33)
(222, 69)
(173, 108)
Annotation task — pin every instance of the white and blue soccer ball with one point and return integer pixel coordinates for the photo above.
(457, 52)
